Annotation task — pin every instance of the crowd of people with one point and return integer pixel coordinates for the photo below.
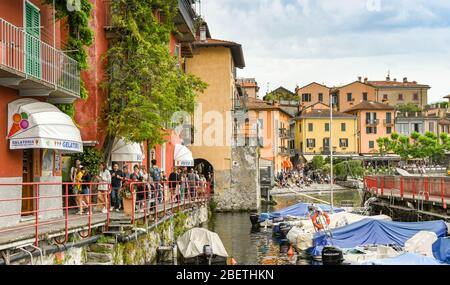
(182, 183)
(301, 176)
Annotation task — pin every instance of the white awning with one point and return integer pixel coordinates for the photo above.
(183, 156)
(126, 152)
(36, 124)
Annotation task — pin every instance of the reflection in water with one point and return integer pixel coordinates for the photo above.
(257, 246)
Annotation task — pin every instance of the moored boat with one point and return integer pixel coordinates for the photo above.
(199, 246)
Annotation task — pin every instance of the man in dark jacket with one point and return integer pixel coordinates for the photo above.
(174, 181)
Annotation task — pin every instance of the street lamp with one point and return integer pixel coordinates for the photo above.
(331, 151)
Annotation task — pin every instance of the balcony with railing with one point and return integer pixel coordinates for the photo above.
(284, 133)
(35, 68)
(388, 123)
(327, 151)
(372, 122)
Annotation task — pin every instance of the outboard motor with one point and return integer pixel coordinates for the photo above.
(208, 253)
(254, 219)
(332, 256)
(284, 229)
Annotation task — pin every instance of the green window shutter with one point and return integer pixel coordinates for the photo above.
(32, 40)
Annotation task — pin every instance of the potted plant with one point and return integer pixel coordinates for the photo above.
(129, 198)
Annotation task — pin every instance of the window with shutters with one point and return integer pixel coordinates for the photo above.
(32, 40)
(343, 127)
(327, 127)
(310, 127)
(310, 143)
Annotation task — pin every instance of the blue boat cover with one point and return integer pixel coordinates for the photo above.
(441, 250)
(405, 259)
(297, 210)
(374, 232)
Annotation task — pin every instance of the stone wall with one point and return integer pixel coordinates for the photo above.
(11, 208)
(138, 252)
(244, 191)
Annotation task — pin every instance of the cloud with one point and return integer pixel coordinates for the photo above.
(368, 36)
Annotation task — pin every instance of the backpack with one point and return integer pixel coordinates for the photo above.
(156, 174)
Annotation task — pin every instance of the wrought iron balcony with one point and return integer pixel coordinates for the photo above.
(387, 123)
(373, 123)
(35, 68)
(284, 133)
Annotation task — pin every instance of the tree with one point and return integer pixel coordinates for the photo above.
(409, 108)
(318, 162)
(417, 146)
(145, 84)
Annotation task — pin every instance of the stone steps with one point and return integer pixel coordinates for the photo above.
(95, 257)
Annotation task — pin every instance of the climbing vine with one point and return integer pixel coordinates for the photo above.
(145, 84)
(76, 14)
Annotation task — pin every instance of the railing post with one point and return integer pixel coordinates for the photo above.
(401, 186)
(442, 191)
(37, 214)
(426, 188)
(145, 203)
(155, 203)
(108, 206)
(133, 206)
(163, 190)
(67, 212)
(382, 185)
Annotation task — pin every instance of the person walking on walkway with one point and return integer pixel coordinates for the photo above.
(116, 183)
(174, 181)
(104, 176)
(192, 179)
(155, 173)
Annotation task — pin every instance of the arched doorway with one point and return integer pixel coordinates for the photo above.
(206, 169)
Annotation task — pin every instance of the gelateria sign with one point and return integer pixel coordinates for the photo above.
(36, 124)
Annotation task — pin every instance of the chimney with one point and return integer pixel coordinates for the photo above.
(388, 78)
(366, 80)
(359, 78)
(405, 79)
(203, 33)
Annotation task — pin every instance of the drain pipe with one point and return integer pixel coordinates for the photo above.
(49, 250)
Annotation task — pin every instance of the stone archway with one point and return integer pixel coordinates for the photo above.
(203, 167)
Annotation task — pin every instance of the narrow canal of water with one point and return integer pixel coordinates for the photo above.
(259, 247)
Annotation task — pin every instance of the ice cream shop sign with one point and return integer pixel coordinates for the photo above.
(35, 124)
(45, 143)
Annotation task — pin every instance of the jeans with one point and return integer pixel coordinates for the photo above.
(115, 199)
(159, 191)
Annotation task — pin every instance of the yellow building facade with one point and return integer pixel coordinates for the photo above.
(215, 63)
(312, 133)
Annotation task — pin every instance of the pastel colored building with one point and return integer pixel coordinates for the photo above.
(395, 93)
(215, 62)
(269, 124)
(313, 93)
(35, 74)
(352, 94)
(249, 86)
(375, 120)
(312, 132)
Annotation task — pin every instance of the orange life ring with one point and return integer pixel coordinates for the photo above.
(316, 223)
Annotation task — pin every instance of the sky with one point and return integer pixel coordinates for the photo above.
(295, 42)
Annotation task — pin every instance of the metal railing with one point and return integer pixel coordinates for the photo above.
(55, 210)
(372, 122)
(428, 188)
(387, 123)
(28, 56)
(284, 133)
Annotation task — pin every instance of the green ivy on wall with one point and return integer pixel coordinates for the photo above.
(76, 15)
(145, 85)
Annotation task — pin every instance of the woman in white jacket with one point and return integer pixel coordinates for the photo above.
(105, 178)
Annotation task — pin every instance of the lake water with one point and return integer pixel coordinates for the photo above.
(250, 247)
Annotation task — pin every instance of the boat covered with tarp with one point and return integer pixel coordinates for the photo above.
(301, 234)
(374, 232)
(441, 250)
(200, 246)
(405, 259)
(296, 211)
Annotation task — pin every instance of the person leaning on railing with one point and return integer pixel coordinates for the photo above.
(103, 177)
